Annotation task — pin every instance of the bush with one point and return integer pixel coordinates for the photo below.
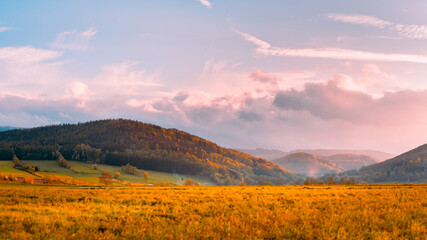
(29, 179)
(106, 178)
(191, 182)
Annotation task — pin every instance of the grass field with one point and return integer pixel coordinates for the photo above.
(240, 212)
(85, 172)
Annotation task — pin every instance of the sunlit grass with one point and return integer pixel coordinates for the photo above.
(260, 212)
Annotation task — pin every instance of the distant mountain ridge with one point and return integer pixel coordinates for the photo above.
(275, 154)
(146, 146)
(264, 153)
(380, 156)
(7, 128)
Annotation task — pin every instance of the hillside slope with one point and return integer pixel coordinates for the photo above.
(146, 146)
(407, 167)
(308, 164)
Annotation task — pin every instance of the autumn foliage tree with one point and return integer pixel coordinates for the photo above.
(106, 178)
(15, 160)
(191, 182)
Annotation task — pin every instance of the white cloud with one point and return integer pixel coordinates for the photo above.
(254, 40)
(27, 54)
(402, 30)
(4, 29)
(74, 40)
(265, 48)
(206, 3)
(360, 19)
(411, 31)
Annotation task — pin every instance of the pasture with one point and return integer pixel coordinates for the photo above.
(85, 172)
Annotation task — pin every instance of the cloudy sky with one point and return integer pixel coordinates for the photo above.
(272, 74)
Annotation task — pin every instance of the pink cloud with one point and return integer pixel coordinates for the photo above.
(331, 100)
(264, 77)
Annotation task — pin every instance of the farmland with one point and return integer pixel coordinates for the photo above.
(216, 212)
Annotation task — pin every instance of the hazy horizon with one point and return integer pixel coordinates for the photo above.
(244, 74)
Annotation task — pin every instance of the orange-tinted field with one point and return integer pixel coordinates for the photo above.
(241, 212)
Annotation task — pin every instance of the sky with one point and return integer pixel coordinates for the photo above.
(242, 73)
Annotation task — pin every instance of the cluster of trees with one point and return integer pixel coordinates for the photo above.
(328, 179)
(63, 162)
(24, 167)
(119, 142)
(129, 169)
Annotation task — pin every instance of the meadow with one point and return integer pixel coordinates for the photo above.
(85, 173)
(216, 212)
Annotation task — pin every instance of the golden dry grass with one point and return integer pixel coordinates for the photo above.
(241, 212)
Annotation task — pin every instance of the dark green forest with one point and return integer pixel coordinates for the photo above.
(146, 146)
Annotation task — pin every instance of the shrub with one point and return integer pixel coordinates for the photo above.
(29, 179)
(191, 182)
(106, 178)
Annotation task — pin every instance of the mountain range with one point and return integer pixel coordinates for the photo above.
(272, 154)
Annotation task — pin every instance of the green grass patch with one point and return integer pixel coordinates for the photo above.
(6, 167)
(85, 171)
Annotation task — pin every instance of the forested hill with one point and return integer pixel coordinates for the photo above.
(407, 167)
(146, 146)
